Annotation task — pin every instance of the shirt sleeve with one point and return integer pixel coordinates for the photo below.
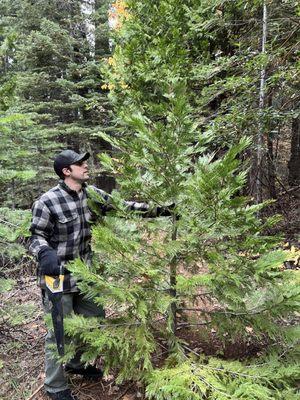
(101, 201)
(144, 209)
(41, 228)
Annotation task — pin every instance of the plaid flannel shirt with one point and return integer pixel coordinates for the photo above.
(61, 220)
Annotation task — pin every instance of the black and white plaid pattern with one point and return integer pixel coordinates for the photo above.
(61, 220)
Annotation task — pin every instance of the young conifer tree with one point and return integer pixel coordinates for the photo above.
(209, 265)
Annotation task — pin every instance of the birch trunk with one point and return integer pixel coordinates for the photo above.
(260, 136)
(88, 9)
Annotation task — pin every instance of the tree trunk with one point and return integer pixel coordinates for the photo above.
(257, 181)
(88, 10)
(294, 163)
(271, 169)
(173, 280)
(13, 194)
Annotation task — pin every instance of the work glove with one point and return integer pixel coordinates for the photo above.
(166, 211)
(48, 262)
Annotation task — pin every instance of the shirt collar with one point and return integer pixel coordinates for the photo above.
(65, 187)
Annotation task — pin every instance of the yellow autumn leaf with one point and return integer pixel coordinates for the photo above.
(111, 61)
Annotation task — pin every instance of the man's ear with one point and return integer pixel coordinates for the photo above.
(66, 171)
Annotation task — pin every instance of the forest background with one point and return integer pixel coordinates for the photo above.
(195, 105)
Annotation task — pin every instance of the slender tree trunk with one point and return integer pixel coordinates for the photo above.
(88, 9)
(294, 162)
(13, 194)
(6, 64)
(271, 169)
(173, 280)
(258, 190)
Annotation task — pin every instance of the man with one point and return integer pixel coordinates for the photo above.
(60, 233)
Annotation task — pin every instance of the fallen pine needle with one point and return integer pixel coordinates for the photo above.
(36, 392)
(91, 385)
(124, 391)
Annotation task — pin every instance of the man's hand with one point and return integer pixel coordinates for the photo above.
(166, 211)
(49, 262)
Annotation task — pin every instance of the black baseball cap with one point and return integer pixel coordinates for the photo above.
(67, 158)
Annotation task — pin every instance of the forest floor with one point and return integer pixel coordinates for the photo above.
(22, 355)
(22, 345)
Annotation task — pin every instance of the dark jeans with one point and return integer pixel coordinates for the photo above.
(56, 379)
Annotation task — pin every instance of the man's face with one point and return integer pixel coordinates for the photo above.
(78, 172)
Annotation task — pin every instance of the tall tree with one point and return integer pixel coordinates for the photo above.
(260, 134)
(210, 264)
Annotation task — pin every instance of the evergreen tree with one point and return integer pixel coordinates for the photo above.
(214, 267)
